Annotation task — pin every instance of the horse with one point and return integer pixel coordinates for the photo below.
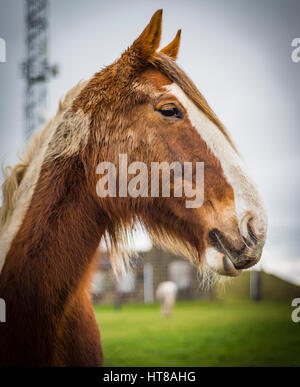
(166, 294)
(52, 219)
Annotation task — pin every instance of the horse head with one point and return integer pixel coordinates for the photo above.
(145, 107)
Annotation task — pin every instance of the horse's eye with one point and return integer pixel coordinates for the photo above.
(170, 110)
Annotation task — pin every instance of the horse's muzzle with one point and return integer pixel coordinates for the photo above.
(224, 259)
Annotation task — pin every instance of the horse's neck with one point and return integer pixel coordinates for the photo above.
(54, 246)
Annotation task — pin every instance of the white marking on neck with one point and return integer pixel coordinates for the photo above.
(246, 196)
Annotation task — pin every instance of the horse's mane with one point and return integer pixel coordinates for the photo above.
(13, 176)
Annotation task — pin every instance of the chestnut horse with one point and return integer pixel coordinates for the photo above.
(52, 220)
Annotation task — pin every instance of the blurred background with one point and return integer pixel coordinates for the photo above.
(238, 53)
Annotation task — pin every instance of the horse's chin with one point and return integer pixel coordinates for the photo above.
(220, 263)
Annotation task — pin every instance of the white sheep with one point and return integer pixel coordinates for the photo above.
(166, 294)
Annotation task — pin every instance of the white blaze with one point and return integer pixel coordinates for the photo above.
(246, 196)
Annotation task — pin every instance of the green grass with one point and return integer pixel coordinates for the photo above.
(232, 333)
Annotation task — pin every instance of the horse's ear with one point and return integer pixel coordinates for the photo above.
(172, 48)
(146, 44)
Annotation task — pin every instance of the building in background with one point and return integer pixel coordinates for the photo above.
(139, 285)
(155, 266)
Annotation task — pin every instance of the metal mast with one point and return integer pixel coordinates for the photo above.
(36, 68)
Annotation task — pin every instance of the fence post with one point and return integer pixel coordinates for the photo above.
(255, 285)
(148, 283)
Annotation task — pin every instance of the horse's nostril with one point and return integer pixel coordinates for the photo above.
(248, 232)
(251, 233)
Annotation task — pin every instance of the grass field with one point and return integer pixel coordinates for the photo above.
(232, 333)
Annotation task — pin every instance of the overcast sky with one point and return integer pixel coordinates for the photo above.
(237, 52)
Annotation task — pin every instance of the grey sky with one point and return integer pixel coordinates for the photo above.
(237, 52)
